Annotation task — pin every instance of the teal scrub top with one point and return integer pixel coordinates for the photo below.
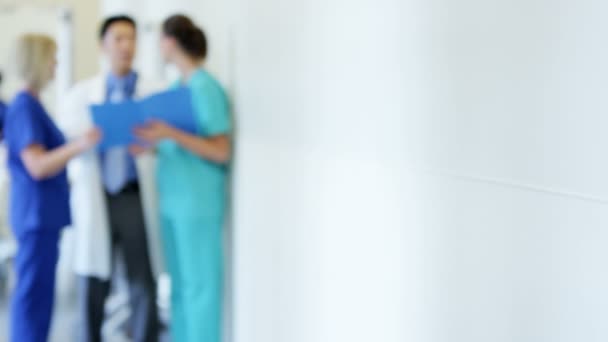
(188, 185)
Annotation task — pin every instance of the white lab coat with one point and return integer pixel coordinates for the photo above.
(93, 251)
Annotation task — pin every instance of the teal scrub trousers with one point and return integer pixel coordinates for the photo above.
(193, 250)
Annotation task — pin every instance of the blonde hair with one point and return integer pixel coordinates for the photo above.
(34, 55)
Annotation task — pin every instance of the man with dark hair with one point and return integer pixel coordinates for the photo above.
(105, 26)
(113, 196)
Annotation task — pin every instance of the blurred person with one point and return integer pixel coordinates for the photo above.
(2, 110)
(39, 205)
(191, 179)
(113, 196)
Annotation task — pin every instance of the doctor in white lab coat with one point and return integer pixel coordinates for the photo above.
(104, 216)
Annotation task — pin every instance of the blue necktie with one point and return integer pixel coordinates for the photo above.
(115, 173)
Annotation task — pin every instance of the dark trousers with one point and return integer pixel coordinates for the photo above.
(129, 234)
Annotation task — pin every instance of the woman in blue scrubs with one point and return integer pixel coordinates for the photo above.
(192, 188)
(37, 158)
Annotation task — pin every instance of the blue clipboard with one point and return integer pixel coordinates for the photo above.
(118, 121)
(173, 107)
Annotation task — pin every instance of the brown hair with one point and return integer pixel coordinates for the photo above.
(189, 36)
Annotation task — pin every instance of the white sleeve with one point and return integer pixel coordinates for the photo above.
(73, 116)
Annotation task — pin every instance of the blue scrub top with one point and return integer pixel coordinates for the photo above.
(34, 205)
(189, 186)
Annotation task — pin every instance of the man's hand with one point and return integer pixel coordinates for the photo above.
(137, 149)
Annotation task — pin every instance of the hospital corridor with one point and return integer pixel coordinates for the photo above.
(303, 171)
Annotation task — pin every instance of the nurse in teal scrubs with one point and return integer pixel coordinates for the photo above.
(192, 189)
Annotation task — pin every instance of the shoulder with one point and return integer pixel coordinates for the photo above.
(22, 101)
(206, 83)
(79, 96)
(23, 110)
(204, 78)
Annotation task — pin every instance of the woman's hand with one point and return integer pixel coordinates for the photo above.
(154, 131)
(89, 140)
(216, 148)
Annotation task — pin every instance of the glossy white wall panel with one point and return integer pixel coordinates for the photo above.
(515, 265)
(519, 92)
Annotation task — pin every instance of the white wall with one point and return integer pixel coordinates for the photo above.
(327, 238)
(85, 21)
(493, 110)
(414, 170)
(516, 150)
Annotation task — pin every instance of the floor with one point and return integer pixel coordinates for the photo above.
(64, 320)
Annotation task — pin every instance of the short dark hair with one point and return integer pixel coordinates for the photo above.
(189, 36)
(105, 26)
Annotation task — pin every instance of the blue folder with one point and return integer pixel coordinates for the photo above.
(173, 107)
(118, 120)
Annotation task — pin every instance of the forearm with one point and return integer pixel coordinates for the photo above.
(43, 164)
(215, 149)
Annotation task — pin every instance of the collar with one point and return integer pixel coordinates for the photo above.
(127, 82)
